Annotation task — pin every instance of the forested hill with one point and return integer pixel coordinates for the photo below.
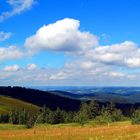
(40, 98)
(53, 100)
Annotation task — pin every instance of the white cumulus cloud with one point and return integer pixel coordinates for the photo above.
(12, 68)
(63, 35)
(11, 52)
(125, 54)
(133, 62)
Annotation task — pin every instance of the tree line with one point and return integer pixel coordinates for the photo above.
(87, 111)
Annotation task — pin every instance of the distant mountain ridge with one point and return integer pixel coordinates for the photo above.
(103, 94)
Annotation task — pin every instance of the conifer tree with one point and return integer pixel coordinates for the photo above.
(83, 114)
(94, 109)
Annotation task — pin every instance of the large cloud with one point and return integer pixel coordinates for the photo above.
(125, 54)
(63, 35)
(18, 6)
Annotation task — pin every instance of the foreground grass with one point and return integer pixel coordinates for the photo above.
(114, 131)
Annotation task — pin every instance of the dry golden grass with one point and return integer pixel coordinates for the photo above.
(116, 131)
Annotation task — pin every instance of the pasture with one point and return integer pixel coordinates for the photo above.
(91, 131)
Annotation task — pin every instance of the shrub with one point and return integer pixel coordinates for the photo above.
(117, 115)
(104, 117)
(136, 117)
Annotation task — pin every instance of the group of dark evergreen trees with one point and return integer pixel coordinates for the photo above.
(87, 111)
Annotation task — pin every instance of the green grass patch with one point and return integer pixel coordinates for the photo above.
(8, 103)
(11, 127)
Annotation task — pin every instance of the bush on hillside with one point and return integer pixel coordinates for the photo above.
(136, 117)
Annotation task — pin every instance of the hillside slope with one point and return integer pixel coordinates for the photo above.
(8, 103)
(40, 98)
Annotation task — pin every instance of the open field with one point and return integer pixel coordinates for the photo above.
(8, 103)
(114, 131)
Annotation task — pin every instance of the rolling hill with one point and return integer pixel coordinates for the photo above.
(40, 98)
(8, 103)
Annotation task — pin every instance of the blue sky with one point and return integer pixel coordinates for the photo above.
(51, 42)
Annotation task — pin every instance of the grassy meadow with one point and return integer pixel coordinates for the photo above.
(8, 103)
(91, 131)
